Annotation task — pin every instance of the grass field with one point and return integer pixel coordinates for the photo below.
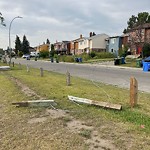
(71, 126)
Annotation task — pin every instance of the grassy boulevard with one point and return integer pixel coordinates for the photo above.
(71, 126)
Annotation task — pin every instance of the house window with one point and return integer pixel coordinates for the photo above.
(113, 40)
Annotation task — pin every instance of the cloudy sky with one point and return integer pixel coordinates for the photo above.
(66, 19)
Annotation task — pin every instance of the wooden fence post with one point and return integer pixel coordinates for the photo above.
(28, 68)
(19, 66)
(13, 64)
(41, 72)
(68, 78)
(133, 92)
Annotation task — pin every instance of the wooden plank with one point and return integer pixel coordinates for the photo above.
(133, 92)
(95, 103)
(35, 103)
(3, 68)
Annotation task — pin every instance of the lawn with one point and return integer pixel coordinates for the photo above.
(71, 126)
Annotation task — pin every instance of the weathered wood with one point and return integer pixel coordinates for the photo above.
(35, 103)
(28, 68)
(13, 64)
(3, 68)
(41, 72)
(20, 66)
(133, 92)
(68, 82)
(95, 103)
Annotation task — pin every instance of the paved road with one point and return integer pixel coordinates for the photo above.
(108, 74)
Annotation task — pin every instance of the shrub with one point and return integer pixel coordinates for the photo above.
(66, 58)
(146, 50)
(20, 53)
(100, 55)
(44, 54)
(92, 54)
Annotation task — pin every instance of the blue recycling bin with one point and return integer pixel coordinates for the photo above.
(122, 60)
(80, 59)
(146, 66)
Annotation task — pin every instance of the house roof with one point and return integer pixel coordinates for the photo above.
(144, 26)
(98, 35)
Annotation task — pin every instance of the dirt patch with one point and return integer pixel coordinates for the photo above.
(25, 89)
(96, 142)
(37, 120)
(77, 125)
(56, 113)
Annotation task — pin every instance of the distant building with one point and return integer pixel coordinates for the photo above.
(43, 47)
(62, 47)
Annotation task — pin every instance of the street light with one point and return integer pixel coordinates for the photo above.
(9, 36)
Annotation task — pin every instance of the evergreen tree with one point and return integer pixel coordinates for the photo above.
(47, 41)
(18, 45)
(52, 52)
(25, 45)
(2, 20)
(139, 20)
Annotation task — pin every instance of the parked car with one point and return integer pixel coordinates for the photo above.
(27, 56)
(34, 54)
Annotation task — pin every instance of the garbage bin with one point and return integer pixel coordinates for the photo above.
(122, 60)
(117, 61)
(51, 59)
(28, 57)
(76, 59)
(57, 61)
(80, 59)
(146, 66)
(139, 63)
(35, 58)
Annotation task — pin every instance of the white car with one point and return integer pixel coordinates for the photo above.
(34, 54)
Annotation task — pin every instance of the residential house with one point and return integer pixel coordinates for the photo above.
(74, 46)
(138, 36)
(98, 42)
(62, 47)
(43, 47)
(114, 44)
(83, 45)
(87, 44)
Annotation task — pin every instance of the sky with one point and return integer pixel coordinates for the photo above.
(65, 20)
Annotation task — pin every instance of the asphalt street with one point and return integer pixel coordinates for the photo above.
(108, 74)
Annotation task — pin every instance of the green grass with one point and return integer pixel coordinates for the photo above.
(109, 123)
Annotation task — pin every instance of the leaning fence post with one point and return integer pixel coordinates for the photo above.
(41, 72)
(68, 78)
(133, 92)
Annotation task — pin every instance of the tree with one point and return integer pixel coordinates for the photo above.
(25, 45)
(136, 30)
(2, 20)
(18, 46)
(140, 19)
(146, 50)
(52, 52)
(47, 41)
